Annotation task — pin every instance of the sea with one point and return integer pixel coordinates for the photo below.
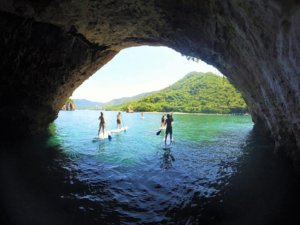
(218, 171)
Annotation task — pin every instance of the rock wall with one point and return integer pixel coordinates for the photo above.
(49, 49)
(40, 65)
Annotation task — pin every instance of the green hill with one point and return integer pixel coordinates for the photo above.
(196, 92)
(119, 101)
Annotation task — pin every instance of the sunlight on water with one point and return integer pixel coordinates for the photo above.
(213, 134)
(218, 171)
(146, 181)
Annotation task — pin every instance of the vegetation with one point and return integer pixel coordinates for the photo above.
(69, 100)
(196, 92)
(120, 101)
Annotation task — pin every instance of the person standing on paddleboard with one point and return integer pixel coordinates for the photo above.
(168, 123)
(119, 120)
(102, 123)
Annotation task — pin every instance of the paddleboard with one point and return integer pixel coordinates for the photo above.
(168, 144)
(119, 130)
(102, 136)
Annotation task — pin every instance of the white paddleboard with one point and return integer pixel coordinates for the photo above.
(168, 144)
(119, 130)
(102, 136)
(105, 135)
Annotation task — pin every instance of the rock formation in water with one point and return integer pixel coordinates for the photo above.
(49, 48)
(69, 106)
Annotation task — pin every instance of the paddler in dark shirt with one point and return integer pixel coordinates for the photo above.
(168, 123)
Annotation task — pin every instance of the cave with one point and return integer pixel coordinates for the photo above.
(49, 49)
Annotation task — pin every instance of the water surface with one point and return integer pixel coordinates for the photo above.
(217, 172)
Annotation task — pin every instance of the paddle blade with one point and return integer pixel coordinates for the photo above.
(158, 132)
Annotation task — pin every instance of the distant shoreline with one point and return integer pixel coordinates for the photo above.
(235, 114)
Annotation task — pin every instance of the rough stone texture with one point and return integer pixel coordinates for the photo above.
(40, 67)
(49, 49)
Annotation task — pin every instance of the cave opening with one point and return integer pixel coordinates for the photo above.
(47, 50)
(142, 182)
(137, 70)
(157, 80)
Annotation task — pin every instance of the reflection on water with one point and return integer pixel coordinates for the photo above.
(231, 176)
(167, 159)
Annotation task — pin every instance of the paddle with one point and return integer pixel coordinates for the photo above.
(109, 136)
(158, 132)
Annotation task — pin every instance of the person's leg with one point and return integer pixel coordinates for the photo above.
(166, 137)
(99, 129)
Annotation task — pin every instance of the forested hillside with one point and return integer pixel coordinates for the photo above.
(196, 92)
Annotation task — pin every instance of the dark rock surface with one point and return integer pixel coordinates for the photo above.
(49, 48)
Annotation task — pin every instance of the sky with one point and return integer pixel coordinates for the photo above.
(138, 70)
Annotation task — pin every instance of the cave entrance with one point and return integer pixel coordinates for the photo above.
(139, 71)
(202, 159)
(157, 81)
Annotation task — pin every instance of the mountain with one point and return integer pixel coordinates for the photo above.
(120, 101)
(196, 92)
(87, 104)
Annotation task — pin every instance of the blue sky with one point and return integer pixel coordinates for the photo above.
(137, 70)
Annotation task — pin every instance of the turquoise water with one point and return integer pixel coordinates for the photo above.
(219, 171)
(145, 182)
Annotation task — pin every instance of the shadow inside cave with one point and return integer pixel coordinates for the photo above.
(35, 182)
